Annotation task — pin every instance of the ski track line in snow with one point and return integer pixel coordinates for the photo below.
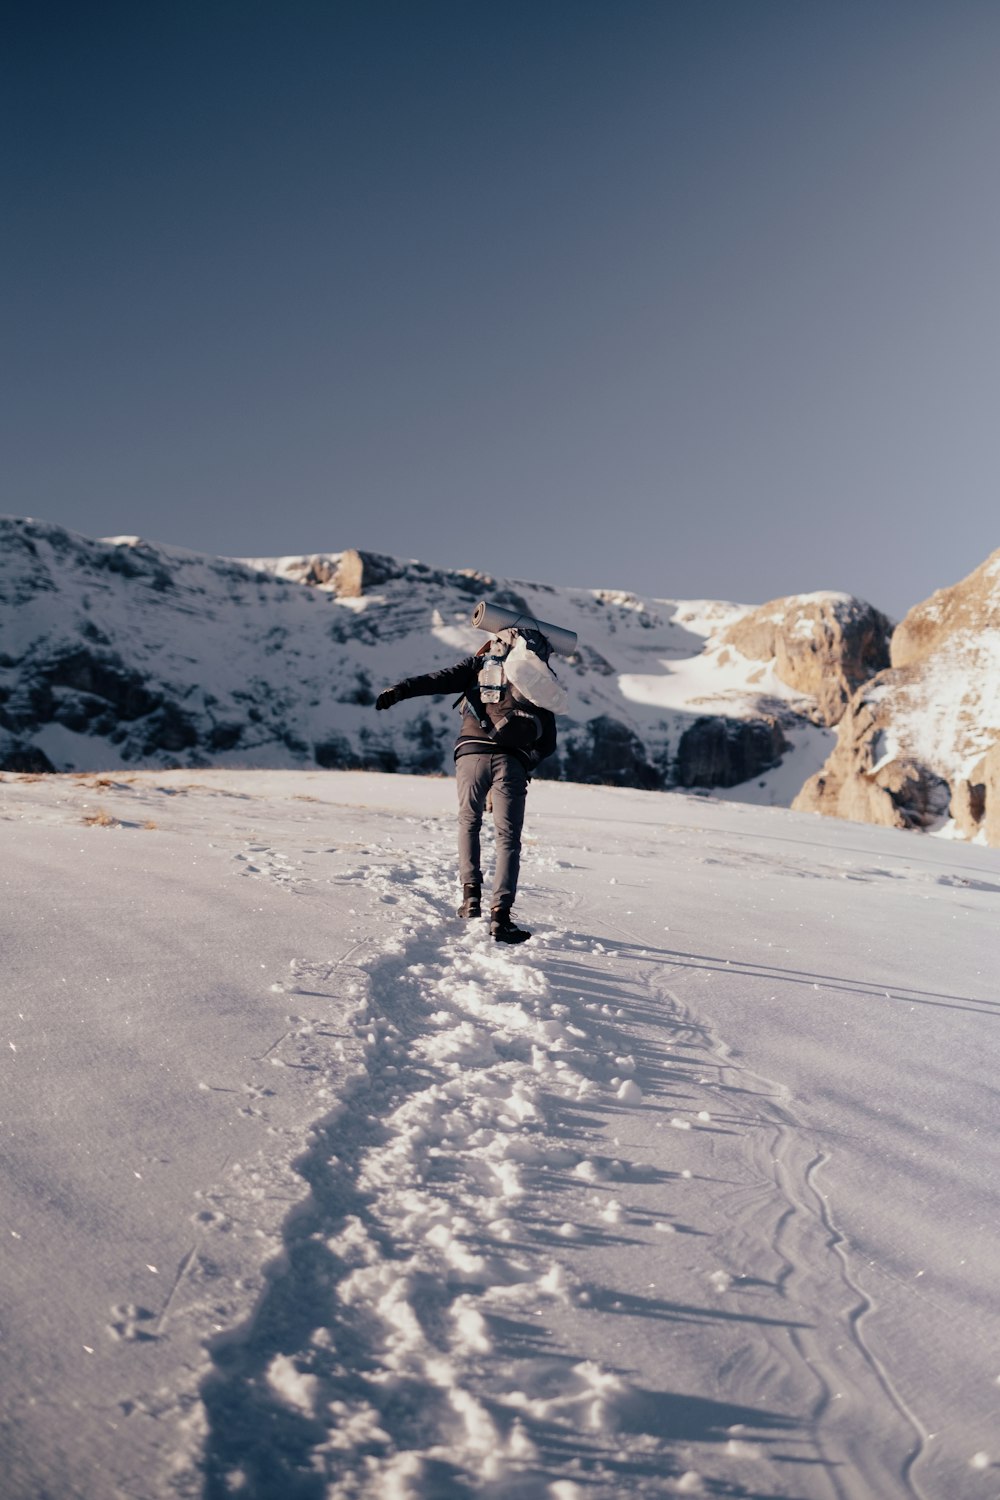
(766, 1213)
(862, 1308)
(802, 1233)
(854, 1448)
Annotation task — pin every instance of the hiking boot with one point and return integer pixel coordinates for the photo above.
(503, 929)
(471, 902)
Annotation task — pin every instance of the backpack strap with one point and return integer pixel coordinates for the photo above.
(472, 698)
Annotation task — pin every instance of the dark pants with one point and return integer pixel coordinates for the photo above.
(506, 778)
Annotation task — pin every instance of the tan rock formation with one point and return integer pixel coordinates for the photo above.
(349, 578)
(823, 645)
(969, 606)
(348, 574)
(989, 770)
(861, 783)
(975, 800)
(923, 739)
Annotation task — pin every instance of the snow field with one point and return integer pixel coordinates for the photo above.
(689, 1195)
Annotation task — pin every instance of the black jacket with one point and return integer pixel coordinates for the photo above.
(472, 739)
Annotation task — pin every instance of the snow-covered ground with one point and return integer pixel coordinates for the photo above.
(309, 1191)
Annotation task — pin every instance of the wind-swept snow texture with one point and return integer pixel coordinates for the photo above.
(311, 1193)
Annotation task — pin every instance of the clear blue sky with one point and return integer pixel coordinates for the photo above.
(692, 297)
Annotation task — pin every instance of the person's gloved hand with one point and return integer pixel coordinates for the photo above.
(387, 699)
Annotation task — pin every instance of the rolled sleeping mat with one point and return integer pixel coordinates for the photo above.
(494, 617)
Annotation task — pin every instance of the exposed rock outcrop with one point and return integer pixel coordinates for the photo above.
(921, 740)
(357, 572)
(823, 645)
(353, 573)
(603, 751)
(966, 608)
(861, 783)
(985, 809)
(975, 799)
(22, 758)
(723, 752)
(348, 574)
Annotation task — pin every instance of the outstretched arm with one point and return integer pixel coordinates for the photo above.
(454, 679)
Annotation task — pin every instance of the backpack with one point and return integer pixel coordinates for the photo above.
(527, 668)
(514, 679)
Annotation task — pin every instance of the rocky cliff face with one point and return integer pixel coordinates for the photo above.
(975, 802)
(824, 646)
(921, 740)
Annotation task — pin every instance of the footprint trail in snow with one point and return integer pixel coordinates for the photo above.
(464, 1306)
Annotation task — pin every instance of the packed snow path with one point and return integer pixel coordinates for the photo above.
(693, 1194)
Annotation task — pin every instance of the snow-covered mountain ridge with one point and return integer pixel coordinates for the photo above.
(121, 652)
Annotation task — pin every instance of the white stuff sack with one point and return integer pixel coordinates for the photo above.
(533, 679)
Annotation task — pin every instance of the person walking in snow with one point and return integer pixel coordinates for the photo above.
(505, 733)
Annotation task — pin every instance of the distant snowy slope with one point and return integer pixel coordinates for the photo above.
(120, 653)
